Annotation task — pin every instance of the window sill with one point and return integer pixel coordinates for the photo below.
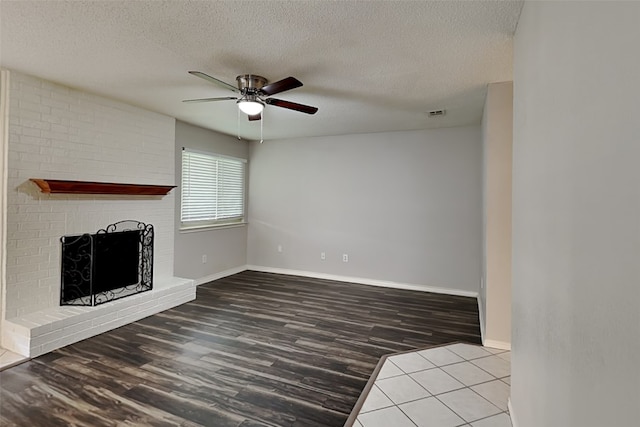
(197, 228)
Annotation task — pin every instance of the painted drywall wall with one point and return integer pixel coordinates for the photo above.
(4, 144)
(576, 215)
(61, 133)
(404, 206)
(497, 138)
(225, 248)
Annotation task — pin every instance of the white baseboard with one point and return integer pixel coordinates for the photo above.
(511, 414)
(364, 281)
(220, 275)
(497, 344)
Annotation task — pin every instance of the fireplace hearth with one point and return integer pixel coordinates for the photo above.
(113, 263)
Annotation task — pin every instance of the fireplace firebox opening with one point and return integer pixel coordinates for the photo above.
(113, 263)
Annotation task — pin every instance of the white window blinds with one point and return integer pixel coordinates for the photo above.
(212, 189)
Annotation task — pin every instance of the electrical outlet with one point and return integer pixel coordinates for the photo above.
(482, 283)
(323, 256)
(204, 259)
(345, 257)
(280, 248)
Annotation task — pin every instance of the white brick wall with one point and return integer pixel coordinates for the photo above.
(61, 133)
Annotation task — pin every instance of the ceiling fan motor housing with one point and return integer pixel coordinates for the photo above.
(250, 83)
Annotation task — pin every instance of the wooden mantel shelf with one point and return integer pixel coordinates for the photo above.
(86, 187)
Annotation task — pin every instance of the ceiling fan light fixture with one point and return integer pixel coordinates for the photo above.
(253, 92)
(250, 107)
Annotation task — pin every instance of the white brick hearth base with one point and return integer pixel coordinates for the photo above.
(41, 332)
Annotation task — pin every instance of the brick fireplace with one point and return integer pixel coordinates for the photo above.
(60, 133)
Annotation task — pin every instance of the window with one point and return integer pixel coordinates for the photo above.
(212, 189)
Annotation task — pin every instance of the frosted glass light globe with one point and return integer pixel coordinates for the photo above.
(251, 108)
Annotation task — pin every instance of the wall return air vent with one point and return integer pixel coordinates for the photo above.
(436, 113)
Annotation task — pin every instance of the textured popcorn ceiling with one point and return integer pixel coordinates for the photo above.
(369, 66)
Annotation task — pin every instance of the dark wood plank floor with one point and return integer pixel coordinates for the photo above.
(254, 349)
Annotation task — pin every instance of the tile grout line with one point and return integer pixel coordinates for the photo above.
(489, 416)
(473, 391)
(498, 378)
(439, 394)
(469, 361)
(450, 391)
(467, 386)
(407, 415)
(461, 417)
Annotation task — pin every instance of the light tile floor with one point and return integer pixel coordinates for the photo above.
(9, 359)
(450, 386)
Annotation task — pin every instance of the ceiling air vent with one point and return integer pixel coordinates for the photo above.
(436, 113)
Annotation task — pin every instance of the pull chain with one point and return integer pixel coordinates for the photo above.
(261, 124)
(238, 127)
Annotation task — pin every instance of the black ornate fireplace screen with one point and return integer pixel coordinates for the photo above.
(113, 263)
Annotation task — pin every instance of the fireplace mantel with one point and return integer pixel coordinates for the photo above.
(55, 186)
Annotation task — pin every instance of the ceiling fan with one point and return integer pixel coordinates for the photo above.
(253, 91)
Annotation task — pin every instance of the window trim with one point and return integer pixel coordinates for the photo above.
(197, 228)
(203, 225)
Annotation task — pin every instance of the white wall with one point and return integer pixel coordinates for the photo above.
(497, 137)
(225, 248)
(60, 133)
(576, 215)
(4, 142)
(405, 206)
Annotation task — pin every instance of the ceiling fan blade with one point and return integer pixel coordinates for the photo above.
(281, 85)
(214, 80)
(224, 98)
(255, 117)
(291, 105)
